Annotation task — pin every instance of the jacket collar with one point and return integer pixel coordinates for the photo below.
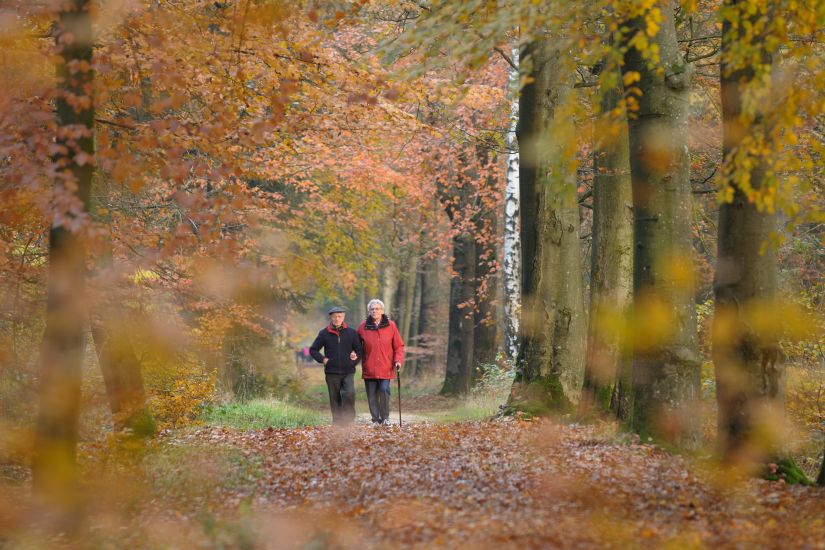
(331, 329)
(385, 322)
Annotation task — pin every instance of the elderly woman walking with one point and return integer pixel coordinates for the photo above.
(383, 355)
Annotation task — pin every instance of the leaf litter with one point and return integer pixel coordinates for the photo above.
(501, 484)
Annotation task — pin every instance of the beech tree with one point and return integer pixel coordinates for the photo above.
(665, 353)
(54, 465)
(747, 362)
(607, 370)
(552, 355)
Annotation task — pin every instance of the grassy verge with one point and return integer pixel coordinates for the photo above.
(263, 413)
(475, 407)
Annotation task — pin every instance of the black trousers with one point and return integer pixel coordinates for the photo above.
(341, 389)
(378, 397)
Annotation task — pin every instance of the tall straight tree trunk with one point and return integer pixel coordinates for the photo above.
(665, 356)
(390, 286)
(486, 266)
(606, 381)
(54, 466)
(552, 354)
(462, 323)
(362, 304)
(433, 316)
(410, 276)
(413, 339)
(747, 371)
(512, 243)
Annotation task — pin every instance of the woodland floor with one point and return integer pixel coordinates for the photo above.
(496, 484)
(476, 484)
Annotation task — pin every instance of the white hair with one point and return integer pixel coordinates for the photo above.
(375, 302)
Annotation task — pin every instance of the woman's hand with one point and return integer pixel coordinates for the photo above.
(353, 356)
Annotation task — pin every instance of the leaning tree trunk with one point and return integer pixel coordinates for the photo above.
(552, 355)
(54, 466)
(512, 244)
(607, 381)
(121, 371)
(111, 330)
(665, 356)
(746, 360)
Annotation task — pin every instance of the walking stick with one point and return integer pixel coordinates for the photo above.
(398, 380)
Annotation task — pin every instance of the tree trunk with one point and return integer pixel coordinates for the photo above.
(665, 355)
(611, 261)
(551, 368)
(512, 244)
(749, 391)
(362, 305)
(118, 362)
(412, 342)
(821, 479)
(410, 277)
(434, 315)
(390, 286)
(54, 466)
(461, 326)
(121, 371)
(486, 269)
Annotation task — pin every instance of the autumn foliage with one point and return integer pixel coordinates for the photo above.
(187, 185)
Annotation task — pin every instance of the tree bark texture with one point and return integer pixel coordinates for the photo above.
(665, 357)
(462, 323)
(435, 307)
(611, 267)
(552, 355)
(512, 243)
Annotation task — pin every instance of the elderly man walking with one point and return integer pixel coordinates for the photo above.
(339, 342)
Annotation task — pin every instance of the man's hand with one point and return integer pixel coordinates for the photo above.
(353, 356)
(397, 367)
(326, 359)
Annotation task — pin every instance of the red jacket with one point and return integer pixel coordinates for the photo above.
(383, 348)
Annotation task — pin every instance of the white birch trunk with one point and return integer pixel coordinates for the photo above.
(512, 244)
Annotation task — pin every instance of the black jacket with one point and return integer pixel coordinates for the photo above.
(337, 347)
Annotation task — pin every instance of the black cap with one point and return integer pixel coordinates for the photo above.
(336, 309)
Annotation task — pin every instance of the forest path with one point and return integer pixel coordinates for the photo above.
(501, 484)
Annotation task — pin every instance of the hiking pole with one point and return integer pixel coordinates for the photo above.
(398, 380)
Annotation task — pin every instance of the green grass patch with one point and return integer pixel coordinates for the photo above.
(263, 413)
(475, 407)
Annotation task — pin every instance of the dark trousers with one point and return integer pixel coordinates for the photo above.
(378, 397)
(341, 397)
